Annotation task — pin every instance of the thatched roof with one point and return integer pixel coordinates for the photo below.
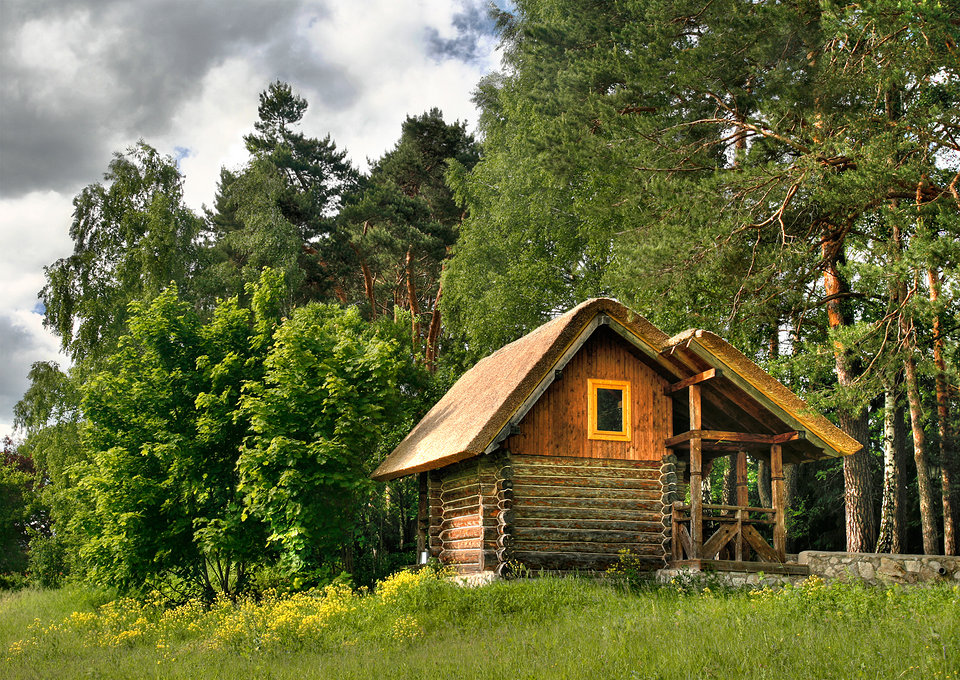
(721, 354)
(479, 407)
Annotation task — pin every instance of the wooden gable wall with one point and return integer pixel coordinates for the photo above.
(557, 423)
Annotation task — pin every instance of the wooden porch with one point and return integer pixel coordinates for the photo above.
(729, 537)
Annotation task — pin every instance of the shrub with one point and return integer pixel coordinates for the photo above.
(48, 561)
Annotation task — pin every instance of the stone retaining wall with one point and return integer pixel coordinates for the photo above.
(878, 569)
(735, 579)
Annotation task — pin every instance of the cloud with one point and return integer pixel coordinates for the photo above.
(34, 231)
(473, 28)
(80, 77)
(22, 342)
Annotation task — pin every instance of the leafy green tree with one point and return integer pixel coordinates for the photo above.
(402, 225)
(49, 416)
(21, 511)
(329, 395)
(279, 210)
(164, 432)
(247, 233)
(132, 237)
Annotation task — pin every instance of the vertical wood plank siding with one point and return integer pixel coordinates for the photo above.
(579, 513)
(557, 423)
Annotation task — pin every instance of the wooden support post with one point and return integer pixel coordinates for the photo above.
(743, 500)
(423, 514)
(742, 496)
(778, 492)
(696, 474)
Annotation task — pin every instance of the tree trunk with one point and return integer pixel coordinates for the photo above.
(901, 446)
(707, 484)
(908, 339)
(763, 483)
(890, 507)
(730, 481)
(928, 520)
(368, 288)
(791, 480)
(948, 466)
(412, 298)
(857, 482)
(433, 332)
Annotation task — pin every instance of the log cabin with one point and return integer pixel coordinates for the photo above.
(592, 435)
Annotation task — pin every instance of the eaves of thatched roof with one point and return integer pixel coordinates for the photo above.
(480, 408)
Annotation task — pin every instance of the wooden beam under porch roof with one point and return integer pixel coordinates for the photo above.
(708, 437)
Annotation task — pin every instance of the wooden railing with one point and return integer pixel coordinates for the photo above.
(733, 525)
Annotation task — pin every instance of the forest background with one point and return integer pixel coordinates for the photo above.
(785, 175)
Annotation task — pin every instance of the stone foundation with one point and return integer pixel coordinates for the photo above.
(881, 569)
(479, 578)
(734, 579)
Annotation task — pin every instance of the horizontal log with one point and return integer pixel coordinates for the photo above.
(725, 519)
(460, 486)
(466, 543)
(491, 512)
(524, 460)
(465, 502)
(715, 506)
(530, 505)
(593, 536)
(587, 473)
(586, 482)
(460, 557)
(544, 491)
(452, 478)
(467, 521)
(720, 436)
(457, 533)
(460, 504)
(450, 514)
(583, 472)
(652, 525)
(651, 547)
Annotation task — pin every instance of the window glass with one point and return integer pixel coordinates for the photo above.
(609, 410)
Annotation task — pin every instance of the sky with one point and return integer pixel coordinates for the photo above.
(82, 79)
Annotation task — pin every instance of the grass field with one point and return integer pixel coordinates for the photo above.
(420, 626)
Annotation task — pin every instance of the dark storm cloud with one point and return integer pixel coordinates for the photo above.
(145, 58)
(17, 350)
(473, 23)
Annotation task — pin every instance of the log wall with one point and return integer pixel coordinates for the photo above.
(467, 504)
(557, 423)
(577, 513)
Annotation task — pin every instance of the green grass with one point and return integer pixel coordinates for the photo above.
(419, 626)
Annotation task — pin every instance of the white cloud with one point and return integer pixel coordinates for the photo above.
(34, 231)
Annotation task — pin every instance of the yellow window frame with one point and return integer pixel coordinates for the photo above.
(624, 434)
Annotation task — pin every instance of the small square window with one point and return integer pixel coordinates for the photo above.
(608, 410)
